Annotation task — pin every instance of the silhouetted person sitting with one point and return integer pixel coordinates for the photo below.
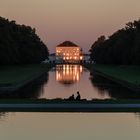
(78, 96)
(71, 97)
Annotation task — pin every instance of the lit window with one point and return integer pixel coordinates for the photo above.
(81, 57)
(57, 51)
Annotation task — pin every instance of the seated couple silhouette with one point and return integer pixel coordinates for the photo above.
(78, 97)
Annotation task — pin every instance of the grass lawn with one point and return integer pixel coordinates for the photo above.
(13, 75)
(130, 74)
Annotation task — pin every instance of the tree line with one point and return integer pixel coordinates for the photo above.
(19, 44)
(121, 48)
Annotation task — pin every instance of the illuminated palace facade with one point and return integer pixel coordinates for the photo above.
(68, 52)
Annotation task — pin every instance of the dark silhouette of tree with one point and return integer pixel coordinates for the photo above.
(122, 48)
(19, 44)
(95, 49)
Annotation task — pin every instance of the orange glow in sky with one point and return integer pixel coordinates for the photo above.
(81, 21)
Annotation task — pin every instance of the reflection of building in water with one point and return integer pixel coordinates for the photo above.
(68, 74)
(68, 52)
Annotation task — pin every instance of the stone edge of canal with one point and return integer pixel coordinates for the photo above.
(70, 107)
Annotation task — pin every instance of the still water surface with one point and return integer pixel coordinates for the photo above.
(66, 80)
(69, 126)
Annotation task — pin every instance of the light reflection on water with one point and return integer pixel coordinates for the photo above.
(66, 80)
(67, 126)
(68, 74)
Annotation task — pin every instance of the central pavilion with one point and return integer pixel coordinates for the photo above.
(68, 52)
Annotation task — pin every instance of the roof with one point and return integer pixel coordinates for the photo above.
(67, 44)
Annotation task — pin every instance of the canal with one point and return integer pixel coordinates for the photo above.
(64, 80)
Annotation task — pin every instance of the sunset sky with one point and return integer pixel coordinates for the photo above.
(80, 21)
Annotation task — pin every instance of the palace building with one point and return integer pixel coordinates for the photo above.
(68, 52)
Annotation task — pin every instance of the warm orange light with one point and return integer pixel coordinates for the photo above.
(81, 57)
(68, 54)
(68, 73)
(81, 69)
